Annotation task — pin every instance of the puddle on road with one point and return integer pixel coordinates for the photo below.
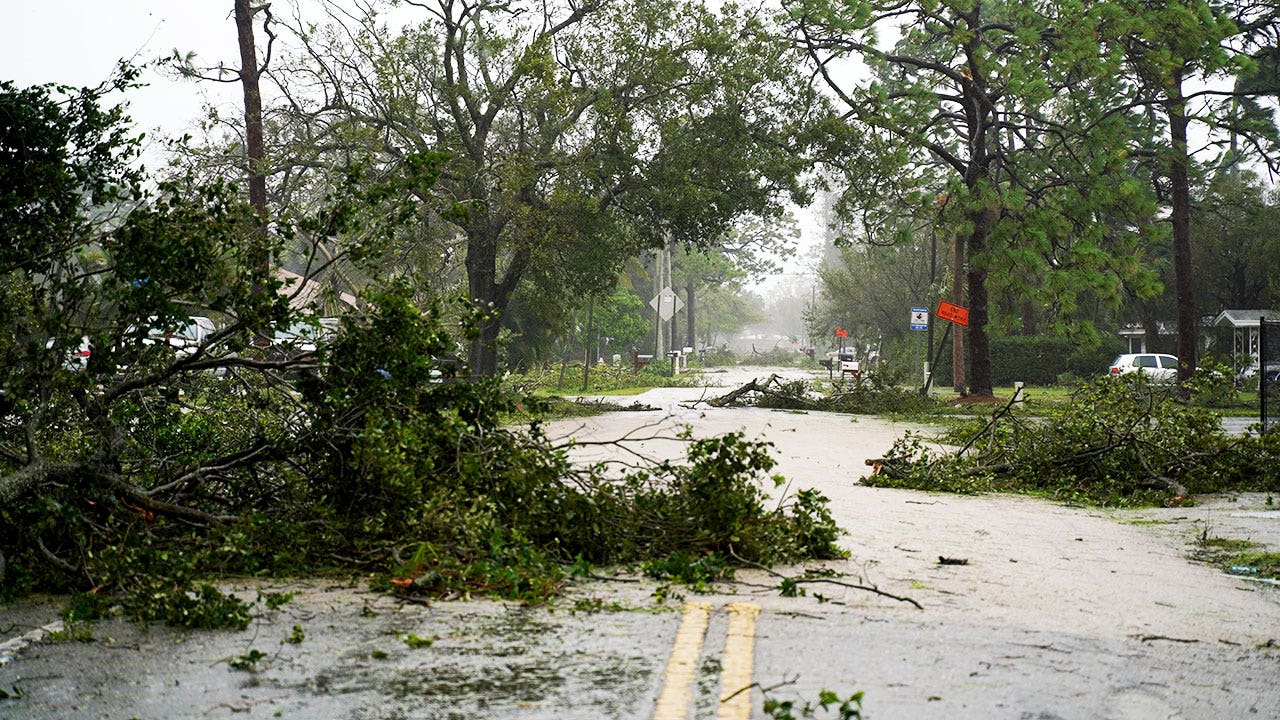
(515, 661)
(521, 683)
(466, 660)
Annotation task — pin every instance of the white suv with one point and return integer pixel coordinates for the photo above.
(1155, 366)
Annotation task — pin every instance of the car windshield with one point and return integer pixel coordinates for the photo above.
(305, 330)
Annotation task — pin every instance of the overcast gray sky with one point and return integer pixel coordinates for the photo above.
(77, 42)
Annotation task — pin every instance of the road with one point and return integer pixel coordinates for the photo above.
(1058, 612)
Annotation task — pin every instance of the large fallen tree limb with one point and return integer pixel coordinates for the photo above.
(770, 386)
(873, 393)
(1111, 441)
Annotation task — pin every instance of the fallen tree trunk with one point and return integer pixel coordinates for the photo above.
(753, 386)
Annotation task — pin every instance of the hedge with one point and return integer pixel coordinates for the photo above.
(1038, 360)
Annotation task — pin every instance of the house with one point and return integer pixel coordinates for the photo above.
(1246, 333)
(1135, 337)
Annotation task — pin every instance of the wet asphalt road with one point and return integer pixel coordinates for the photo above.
(1062, 614)
(610, 659)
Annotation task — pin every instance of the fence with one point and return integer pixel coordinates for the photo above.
(1269, 373)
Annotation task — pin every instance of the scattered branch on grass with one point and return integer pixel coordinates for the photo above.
(1116, 442)
(875, 392)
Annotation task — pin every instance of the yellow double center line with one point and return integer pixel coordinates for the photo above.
(735, 672)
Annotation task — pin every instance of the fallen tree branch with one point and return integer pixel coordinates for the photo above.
(804, 581)
(750, 387)
(138, 496)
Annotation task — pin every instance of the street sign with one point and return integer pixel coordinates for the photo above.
(666, 303)
(954, 313)
(919, 318)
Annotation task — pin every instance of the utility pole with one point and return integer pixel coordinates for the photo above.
(659, 338)
(674, 325)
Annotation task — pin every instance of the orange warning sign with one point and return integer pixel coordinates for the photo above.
(954, 313)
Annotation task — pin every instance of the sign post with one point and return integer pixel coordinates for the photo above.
(919, 318)
(666, 303)
(920, 321)
(954, 315)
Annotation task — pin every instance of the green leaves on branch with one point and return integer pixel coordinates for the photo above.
(1120, 441)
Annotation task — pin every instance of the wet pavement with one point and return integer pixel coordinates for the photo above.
(337, 651)
(1058, 613)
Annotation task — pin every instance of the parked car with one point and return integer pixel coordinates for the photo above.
(182, 337)
(1248, 374)
(1270, 383)
(1156, 366)
(302, 337)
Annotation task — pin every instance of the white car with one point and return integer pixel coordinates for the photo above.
(1156, 366)
(183, 337)
(303, 336)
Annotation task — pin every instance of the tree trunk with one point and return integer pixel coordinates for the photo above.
(673, 326)
(1150, 328)
(587, 360)
(481, 262)
(1180, 186)
(255, 149)
(1028, 318)
(491, 294)
(255, 145)
(691, 337)
(957, 337)
(659, 338)
(979, 342)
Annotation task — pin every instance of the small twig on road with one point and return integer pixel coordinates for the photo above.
(799, 581)
(1152, 638)
(607, 578)
(766, 690)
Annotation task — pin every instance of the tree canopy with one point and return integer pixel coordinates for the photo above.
(577, 133)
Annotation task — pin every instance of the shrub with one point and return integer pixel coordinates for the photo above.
(1040, 360)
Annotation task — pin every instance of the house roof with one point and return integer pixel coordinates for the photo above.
(1244, 318)
(1138, 330)
(305, 292)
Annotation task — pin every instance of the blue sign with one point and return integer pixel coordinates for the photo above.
(919, 318)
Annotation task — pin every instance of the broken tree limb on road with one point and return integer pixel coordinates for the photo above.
(772, 385)
(793, 582)
(877, 392)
